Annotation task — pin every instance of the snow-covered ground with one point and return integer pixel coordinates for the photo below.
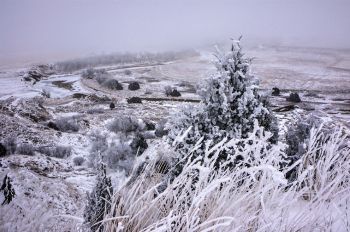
(54, 189)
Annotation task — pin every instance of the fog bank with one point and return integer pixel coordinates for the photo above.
(48, 30)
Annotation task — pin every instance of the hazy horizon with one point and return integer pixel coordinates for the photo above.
(39, 30)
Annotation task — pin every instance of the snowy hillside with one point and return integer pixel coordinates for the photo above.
(57, 127)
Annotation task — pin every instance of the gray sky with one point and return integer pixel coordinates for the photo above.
(39, 29)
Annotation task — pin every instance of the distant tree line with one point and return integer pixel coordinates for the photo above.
(119, 58)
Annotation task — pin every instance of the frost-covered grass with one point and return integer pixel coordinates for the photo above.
(254, 195)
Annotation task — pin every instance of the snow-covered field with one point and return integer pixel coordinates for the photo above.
(51, 192)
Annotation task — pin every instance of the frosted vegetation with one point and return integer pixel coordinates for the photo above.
(119, 148)
(252, 196)
(65, 124)
(223, 167)
(102, 77)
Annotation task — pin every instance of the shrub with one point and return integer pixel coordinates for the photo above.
(112, 84)
(67, 124)
(99, 145)
(101, 78)
(56, 151)
(2, 150)
(62, 152)
(175, 93)
(150, 125)
(10, 144)
(119, 152)
(124, 124)
(138, 144)
(127, 72)
(275, 91)
(169, 91)
(98, 99)
(111, 105)
(25, 149)
(119, 156)
(79, 96)
(160, 129)
(294, 97)
(88, 73)
(45, 93)
(134, 100)
(134, 86)
(297, 136)
(78, 161)
(52, 125)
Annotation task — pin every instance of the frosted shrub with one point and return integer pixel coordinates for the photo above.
(78, 161)
(168, 90)
(138, 144)
(67, 124)
(173, 92)
(88, 73)
(10, 143)
(45, 93)
(61, 152)
(297, 138)
(99, 145)
(297, 135)
(92, 73)
(160, 129)
(119, 156)
(57, 151)
(102, 77)
(125, 124)
(127, 72)
(112, 84)
(115, 153)
(25, 149)
(251, 196)
(12, 146)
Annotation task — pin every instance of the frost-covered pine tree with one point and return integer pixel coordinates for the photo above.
(99, 200)
(230, 105)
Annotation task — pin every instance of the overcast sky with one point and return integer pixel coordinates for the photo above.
(54, 28)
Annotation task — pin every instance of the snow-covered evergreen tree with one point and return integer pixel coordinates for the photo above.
(99, 200)
(230, 105)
